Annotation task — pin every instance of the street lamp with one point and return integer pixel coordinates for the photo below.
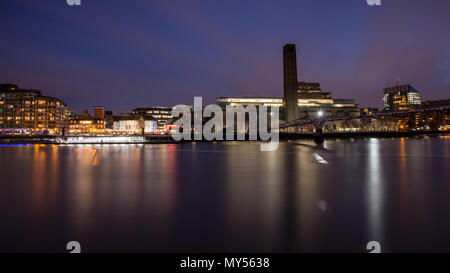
(320, 114)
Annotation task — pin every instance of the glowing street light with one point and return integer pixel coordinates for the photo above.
(320, 114)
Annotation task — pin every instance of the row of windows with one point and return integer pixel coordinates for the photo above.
(77, 126)
(27, 102)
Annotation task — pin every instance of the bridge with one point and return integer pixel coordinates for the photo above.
(318, 123)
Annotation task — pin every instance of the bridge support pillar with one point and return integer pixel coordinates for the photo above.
(318, 134)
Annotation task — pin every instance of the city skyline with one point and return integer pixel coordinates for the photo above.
(224, 135)
(89, 54)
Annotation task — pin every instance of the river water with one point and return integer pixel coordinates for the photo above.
(227, 197)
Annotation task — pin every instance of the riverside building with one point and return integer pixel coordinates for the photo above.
(27, 111)
(161, 114)
(85, 124)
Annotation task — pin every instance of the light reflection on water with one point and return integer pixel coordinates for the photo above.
(375, 190)
(227, 196)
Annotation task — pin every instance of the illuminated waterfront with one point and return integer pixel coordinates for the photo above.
(227, 196)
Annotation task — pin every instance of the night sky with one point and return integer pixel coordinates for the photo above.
(124, 54)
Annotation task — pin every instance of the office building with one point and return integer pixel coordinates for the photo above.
(159, 113)
(401, 98)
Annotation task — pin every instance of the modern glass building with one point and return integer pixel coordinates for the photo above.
(400, 98)
(161, 114)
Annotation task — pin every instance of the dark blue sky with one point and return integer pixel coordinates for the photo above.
(123, 54)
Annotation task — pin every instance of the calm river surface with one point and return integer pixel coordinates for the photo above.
(227, 197)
